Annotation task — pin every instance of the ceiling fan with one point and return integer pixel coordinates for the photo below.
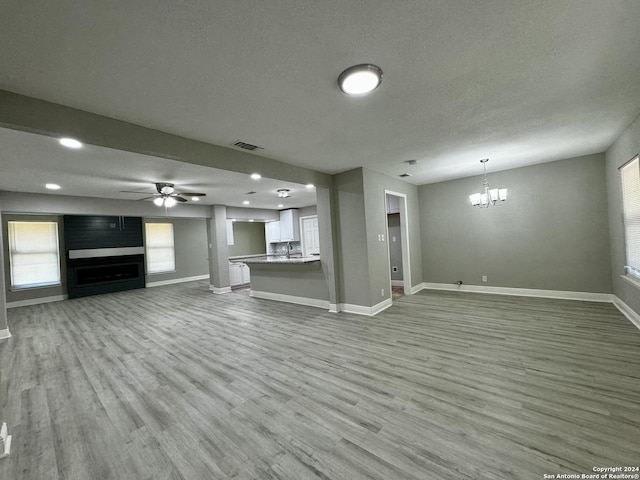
(168, 196)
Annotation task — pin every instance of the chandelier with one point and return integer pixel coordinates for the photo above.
(487, 197)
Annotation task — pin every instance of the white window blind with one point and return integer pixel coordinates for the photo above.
(33, 254)
(630, 174)
(160, 247)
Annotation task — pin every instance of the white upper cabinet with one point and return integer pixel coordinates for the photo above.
(393, 204)
(289, 225)
(273, 232)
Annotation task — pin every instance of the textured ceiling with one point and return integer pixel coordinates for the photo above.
(519, 82)
(30, 161)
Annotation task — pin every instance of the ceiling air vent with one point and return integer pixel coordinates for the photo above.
(246, 146)
(403, 175)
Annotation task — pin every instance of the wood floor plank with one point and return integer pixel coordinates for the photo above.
(176, 383)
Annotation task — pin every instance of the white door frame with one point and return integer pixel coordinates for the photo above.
(404, 241)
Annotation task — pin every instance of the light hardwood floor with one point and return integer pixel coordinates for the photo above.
(177, 383)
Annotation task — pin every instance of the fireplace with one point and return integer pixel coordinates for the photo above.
(96, 271)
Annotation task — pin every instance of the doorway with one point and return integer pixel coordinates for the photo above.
(398, 244)
(310, 235)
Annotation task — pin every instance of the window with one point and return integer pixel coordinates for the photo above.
(160, 247)
(33, 254)
(630, 173)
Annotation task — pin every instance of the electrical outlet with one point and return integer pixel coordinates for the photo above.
(394, 269)
(382, 292)
(393, 239)
(484, 278)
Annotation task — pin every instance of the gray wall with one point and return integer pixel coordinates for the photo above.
(624, 149)
(551, 234)
(375, 185)
(191, 249)
(308, 211)
(248, 238)
(353, 255)
(305, 280)
(361, 217)
(395, 247)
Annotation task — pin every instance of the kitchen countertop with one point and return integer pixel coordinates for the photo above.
(276, 259)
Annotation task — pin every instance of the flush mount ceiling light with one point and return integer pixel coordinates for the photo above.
(283, 192)
(494, 196)
(70, 143)
(360, 79)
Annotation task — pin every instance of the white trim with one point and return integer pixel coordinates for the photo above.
(397, 283)
(5, 333)
(36, 301)
(416, 288)
(280, 297)
(369, 311)
(176, 280)
(334, 308)
(404, 237)
(632, 280)
(627, 311)
(522, 292)
(219, 290)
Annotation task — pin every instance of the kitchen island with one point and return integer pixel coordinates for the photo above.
(292, 279)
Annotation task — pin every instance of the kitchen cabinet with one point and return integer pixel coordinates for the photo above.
(273, 232)
(393, 204)
(289, 225)
(246, 274)
(239, 274)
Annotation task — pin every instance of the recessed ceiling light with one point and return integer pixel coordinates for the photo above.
(246, 202)
(280, 205)
(251, 220)
(70, 143)
(195, 199)
(52, 186)
(256, 176)
(310, 185)
(360, 79)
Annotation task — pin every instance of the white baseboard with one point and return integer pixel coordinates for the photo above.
(5, 333)
(369, 311)
(521, 292)
(280, 297)
(627, 311)
(219, 290)
(334, 307)
(417, 288)
(176, 280)
(397, 283)
(36, 301)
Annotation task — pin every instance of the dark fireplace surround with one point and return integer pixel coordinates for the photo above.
(104, 254)
(95, 275)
